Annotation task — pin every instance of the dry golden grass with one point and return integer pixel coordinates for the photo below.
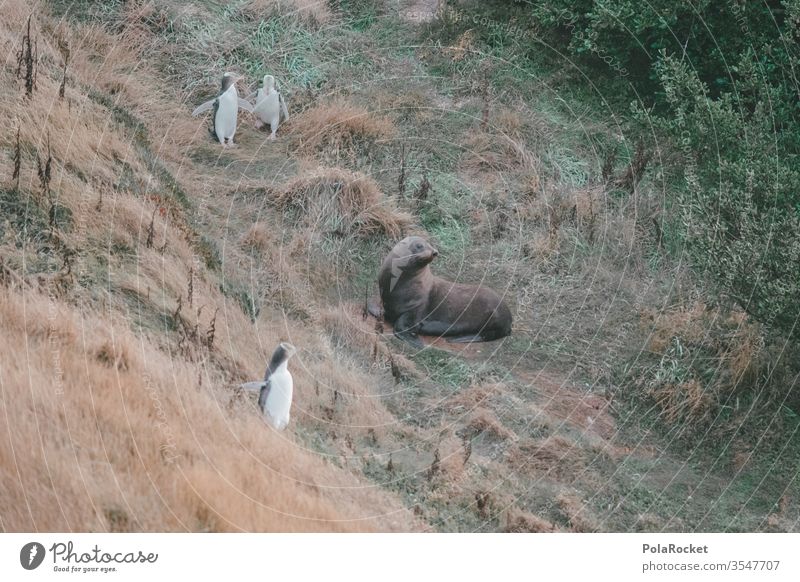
(76, 128)
(107, 430)
(650, 523)
(484, 421)
(577, 514)
(473, 396)
(340, 201)
(590, 412)
(518, 521)
(452, 466)
(690, 323)
(507, 121)
(88, 147)
(556, 456)
(542, 246)
(310, 11)
(687, 336)
(347, 327)
(259, 237)
(496, 152)
(346, 399)
(744, 357)
(779, 519)
(557, 207)
(339, 128)
(104, 431)
(407, 103)
(682, 400)
(463, 46)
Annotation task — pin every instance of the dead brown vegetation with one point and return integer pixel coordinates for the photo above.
(555, 455)
(519, 521)
(313, 12)
(577, 514)
(28, 59)
(497, 151)
(335, 200)
(102, 402)
(485, 422)
(86, 409)
(690, 338)
(340, 129)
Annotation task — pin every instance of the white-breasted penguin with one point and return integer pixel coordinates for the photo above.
(269, 105)
(275, 391)
(226, 109)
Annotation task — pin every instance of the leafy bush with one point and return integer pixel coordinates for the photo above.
(719, 83)
(740, 197)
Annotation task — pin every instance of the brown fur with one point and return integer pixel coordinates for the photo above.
(415, 301)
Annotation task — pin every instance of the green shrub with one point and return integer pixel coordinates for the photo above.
(718, 82)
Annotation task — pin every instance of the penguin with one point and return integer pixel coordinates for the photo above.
(226, 108)
(269, 105)
(275, 391)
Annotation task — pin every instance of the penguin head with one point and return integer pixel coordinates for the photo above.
(288, 349)
(268, 82)
(280, 356)
(228, 79)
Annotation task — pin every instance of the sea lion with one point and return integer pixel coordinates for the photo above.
(226, 109)
(416, 302)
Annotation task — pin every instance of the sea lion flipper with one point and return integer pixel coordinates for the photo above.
(406, 329)
(374, 308)
(410, 338)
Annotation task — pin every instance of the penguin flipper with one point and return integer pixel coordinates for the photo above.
(204, 107)
(253, 386)
(283, 107)
(246, 105)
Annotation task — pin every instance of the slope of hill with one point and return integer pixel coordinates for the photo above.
(146, 271)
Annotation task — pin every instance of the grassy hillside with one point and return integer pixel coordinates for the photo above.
(147, 272)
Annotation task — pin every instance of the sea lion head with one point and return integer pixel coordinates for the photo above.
(413, 252)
